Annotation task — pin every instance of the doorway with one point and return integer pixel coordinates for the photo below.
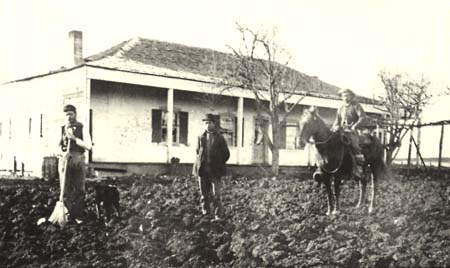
(260, 147)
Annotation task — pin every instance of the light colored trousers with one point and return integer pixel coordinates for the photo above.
(74, 190)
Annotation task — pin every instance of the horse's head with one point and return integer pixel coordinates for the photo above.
(310, 124)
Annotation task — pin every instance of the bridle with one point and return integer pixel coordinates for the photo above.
(341, 160)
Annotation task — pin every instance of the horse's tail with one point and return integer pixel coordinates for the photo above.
(386, 173)
(384, 170)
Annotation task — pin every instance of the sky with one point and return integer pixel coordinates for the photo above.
(345, 43)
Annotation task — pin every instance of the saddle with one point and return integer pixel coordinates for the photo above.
(365, 140)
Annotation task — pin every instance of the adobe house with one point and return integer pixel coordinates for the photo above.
(126, 96)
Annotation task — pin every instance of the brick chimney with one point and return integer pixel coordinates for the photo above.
(76, 46)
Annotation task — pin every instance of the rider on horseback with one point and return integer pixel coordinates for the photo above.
(349, 118)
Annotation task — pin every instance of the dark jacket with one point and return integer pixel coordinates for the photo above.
(350, 115)
(77, 129)
(219, 155)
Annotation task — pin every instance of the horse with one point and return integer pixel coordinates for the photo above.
(335, 159)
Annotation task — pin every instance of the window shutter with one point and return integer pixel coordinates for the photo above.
(91, 118)
(235, 125)
(184, 119)
(156, 125)
(282, 135)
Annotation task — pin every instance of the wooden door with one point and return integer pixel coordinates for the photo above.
(260, 148)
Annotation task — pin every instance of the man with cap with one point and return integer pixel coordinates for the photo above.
(76, 138)
(212, 154)
(350, 117)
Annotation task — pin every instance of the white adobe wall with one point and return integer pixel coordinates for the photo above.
(122, 125)
(189, 102)
(23, 100)
(158, 153)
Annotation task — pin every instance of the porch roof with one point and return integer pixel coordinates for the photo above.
(153, 57)
(146, 56)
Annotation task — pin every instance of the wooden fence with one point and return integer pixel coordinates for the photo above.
(412, 142)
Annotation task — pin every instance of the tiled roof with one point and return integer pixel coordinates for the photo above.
(175, 60)
(146, 56)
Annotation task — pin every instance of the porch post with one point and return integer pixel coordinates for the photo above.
(89, 118)
(240, 117)
(169, 122)
(441, 141)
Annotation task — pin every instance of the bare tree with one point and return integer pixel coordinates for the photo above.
(404, 101)
(273, 84)
(213, 100)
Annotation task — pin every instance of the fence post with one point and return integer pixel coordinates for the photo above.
(14, 166)
(420, 156)
(440, 149)
(418, 143)
(409, 149)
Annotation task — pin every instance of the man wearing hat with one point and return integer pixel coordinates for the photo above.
(350, 117)
(76, 138)
(212, 154)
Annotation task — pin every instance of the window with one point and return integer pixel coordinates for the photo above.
(179, 127)
(291, 136)
(228, 128)
(175, 126)
(288, 135)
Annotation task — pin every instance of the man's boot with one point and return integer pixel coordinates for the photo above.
(357, 167)
(359, 159)
(358, 171)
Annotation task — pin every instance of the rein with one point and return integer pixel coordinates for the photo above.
(338, 167)
(341, 160)
(323, 142)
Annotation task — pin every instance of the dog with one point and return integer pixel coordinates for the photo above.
(107, 199)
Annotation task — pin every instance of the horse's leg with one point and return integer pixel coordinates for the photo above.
(362, 191)
(376, 171)
(327, 181)
(337, 189)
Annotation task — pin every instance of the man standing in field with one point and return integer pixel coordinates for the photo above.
(76, 138)
(212, 154)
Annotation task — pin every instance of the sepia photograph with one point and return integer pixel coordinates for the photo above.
(222, 134)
